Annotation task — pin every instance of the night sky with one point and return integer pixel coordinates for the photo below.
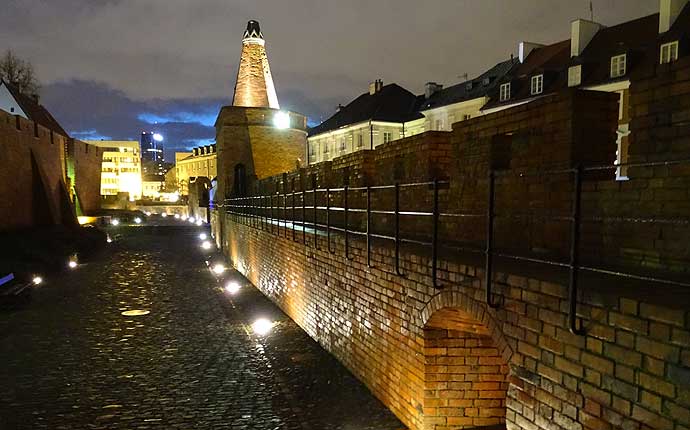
(112, 68)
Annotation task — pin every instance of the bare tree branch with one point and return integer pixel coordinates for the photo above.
(19, 73)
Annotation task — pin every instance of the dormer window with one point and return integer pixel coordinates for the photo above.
(537, 86)
(618, 66)
(575, 75)
(504, 94)
(669, 52)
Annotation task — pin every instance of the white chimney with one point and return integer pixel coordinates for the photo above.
(375, 87)
(581, 33)
(525, 48)
(430, 88)
(668, 12)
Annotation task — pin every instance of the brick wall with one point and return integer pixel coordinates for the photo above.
(32, 181)
(630, 370)
(87, 160)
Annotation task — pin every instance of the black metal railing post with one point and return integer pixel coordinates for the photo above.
(368, 225)
(346, 222)
(397, 229)
(304, 218)
(328, 220)
(316, 240)
(293, 210)
(490, 240)
(434, 239)
(575, 252)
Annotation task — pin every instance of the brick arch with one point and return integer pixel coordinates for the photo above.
(475, 309)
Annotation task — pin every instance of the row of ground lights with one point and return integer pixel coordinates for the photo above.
(261, 326)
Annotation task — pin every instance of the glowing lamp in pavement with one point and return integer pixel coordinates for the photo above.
(262, 326)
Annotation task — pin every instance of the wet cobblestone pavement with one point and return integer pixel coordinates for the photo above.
(69, 359)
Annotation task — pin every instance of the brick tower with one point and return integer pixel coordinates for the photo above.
(254, 87)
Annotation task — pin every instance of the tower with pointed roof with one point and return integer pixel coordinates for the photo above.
(254, 85)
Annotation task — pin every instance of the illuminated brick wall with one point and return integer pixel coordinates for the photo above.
(630, 370)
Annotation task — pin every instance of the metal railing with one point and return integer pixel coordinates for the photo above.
(261, 212)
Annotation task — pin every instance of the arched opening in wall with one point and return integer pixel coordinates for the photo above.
(239, 188)
(465, 376)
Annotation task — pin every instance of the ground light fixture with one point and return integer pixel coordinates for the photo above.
(262, 326)
(177, 216)
(206, 245)
(109, 239)
(183, 217)
(137, 220)
(164, 215)
(232, 287)
(115, 221)
(218, 268)
(191, 219)
(72, 264)
(37, 280)
(199, 222)
(203, 236)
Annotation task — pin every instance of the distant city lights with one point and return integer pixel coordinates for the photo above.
(262, 326)
(158, 137)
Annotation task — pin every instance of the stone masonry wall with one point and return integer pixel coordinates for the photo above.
(32, 180)
(630, 370)
(87, 161)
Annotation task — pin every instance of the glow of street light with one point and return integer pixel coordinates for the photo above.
(218, 268)
(262, 326)
(232, 287)
(37, 280)
(281, 120)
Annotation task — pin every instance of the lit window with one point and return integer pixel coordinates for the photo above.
(387, 136)
(342, 144)
(360, 140)
(669, 52)
(505, 92)
(439, 124)
(574, 76)
(618, 66)
(325, 148)
(537, 84)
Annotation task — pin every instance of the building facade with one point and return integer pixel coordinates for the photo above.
(152, 155)
(121, 168)
(201, 162)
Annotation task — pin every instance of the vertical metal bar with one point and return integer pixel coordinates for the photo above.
(285, 218)
(434, 239)
(304, 218)
(293, 210)
(488, 268)
(368, 226)
(397, 229)
(575, 252)
(328, 220)
(345, 222)
(316, 242)
(270, 205)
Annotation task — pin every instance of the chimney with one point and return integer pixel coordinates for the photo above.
(375, 87)
(430, 88)
(525, 48)
(668, 12)
(581, 33)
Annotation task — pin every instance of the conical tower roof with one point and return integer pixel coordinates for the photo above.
(254, 86)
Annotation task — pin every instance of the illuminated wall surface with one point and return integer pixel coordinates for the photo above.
(121, 168)
(254, 87)
(194, 166)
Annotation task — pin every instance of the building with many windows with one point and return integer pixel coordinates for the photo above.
(201, 162)
(121, 168)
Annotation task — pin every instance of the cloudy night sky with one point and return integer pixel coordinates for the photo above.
(112, 68)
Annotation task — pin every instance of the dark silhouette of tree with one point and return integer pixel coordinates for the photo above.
(19, 73)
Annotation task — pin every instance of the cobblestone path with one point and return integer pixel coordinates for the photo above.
(69, 359)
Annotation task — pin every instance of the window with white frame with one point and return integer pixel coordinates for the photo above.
(312, 150)
(537, 86)
(669, 52)
(575, 75)
(618, 65)
(325, 148)
(466, 117)
(342, 144)
(360, 140)
(387, 136)
(439, 124)
(505, 92)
